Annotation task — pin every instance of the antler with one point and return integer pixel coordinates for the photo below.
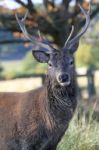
(77, 37)
(72, 30)
(35, 41)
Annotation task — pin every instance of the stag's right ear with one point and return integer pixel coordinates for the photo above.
(41, 56)
(73, 48)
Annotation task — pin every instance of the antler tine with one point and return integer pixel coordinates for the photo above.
(72, 30)
(30, 37)
(87, 16)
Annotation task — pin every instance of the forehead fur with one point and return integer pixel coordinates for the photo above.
(60, 54)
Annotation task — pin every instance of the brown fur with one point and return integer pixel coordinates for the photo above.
(37, 119)
(27, 121)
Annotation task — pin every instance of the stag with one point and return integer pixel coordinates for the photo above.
(38, 119)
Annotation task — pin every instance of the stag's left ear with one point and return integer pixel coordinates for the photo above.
(73, 48)
(41, 56)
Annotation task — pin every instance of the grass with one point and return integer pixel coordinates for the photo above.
(82, 134)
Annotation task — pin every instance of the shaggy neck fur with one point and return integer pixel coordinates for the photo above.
(61, 101)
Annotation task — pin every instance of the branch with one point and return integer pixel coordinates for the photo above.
(44, 25)
(13, 41)
(66, 3)
(29, 5)
(21, 3)
(49, 3)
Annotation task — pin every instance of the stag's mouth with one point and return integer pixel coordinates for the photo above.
(64, 83)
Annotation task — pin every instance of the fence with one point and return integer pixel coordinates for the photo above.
(91, 90)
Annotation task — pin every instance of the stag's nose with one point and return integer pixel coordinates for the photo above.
(63, 78)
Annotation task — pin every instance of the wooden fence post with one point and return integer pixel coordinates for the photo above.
(91, 84)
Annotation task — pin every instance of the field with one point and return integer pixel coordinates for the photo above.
(20, 85)
(25, 84)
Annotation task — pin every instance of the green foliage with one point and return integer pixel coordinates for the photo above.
(87, 55)
(30, 65)
(81, 135)
(83, 55)
(9, 74)
(95, 54)
(10, 69)
(25, 68)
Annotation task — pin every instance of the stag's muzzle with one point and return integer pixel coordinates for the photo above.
(63, 79)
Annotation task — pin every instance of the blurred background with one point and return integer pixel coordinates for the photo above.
(20, 72)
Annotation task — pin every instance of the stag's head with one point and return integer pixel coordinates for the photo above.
(60, 61)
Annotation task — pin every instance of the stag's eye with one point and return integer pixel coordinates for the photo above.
(71, 62)
(50, 64)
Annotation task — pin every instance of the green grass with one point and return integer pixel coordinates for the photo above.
(82, 134)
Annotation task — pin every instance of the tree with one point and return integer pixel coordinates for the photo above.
(55, 22)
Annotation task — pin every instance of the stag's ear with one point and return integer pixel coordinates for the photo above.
(41, 56)
(73, 48)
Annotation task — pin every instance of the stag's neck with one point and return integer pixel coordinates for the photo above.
(62, 101)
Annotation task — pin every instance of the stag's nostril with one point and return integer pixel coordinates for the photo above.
(64, 78)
